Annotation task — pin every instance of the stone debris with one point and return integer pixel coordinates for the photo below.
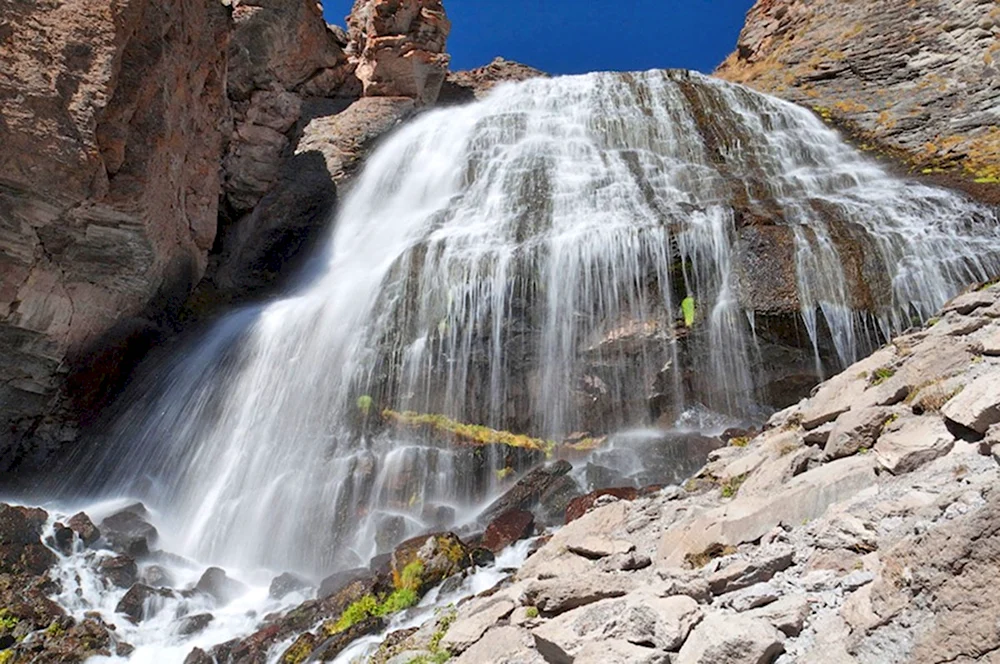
(822, 559)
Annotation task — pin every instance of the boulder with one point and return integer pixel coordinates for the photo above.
(465, 86)
(659, 622)
(509, 527)
(476, 618)
(853, 430)
(286, 584)
(21, 548)
(440, 555)
(128, 532)
(61, 539)
(142, 602)
(731, 639)
(595, 547)
(119, 571)
(503, 644)
(558, 595)
(216, 584)
(529, 490)
(909, 443)
(84, 528)
(193, 624)
(745, 573)
(582, 504)
(977, 406)
(837, 395)
(788, 614)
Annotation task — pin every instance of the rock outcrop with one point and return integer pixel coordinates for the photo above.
(465, 86)
(777, 552)
(914, 79)
(111, 120)
(398, 47)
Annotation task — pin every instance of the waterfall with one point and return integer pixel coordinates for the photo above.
(523, 263)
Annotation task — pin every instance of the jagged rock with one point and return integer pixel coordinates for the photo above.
(128, 532)
(21, 548)
(840, 393)
(977, 406)
(853, 430)
(528, 491)
(865, 67)
(286, 584)
(216, 584)
(139, 602)
(120, 571)
(283, 43)
(84, 528)
(558, 595)
(788, 614)
(108, 196)
(908, 443)
(475, 620)
(398, 46)
(745, 573)
(663, 623)
(757, 595)
(156, 576)
(508, 528)
(737, 639)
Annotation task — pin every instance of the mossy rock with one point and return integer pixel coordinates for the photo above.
(441, 555)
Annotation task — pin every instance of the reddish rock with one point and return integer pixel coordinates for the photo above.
(399, 47)
(119, 571)
(84, 528)
(21, 548)
(509, 527)
(109, 189)
(465, 86)
(581, 505)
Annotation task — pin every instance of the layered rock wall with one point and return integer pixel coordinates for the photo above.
(915, 79)
(111, 119)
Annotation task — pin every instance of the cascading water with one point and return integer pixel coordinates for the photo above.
(521, 263)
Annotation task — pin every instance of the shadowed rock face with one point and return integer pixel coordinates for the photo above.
(913, 78)
(111, 125)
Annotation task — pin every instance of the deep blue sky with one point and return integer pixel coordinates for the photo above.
(575, 36)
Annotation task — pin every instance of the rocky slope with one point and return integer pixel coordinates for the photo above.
(856, 528)
(914, 79)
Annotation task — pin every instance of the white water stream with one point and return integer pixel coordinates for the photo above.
(485, 265)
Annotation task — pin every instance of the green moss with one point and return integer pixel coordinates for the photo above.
(298, 653)
(55, 630)
(359, 611)
(399, 600)
(731, 486)
(365, 404)
(471, 434)
(8, 621)
(741, 441)
(687, 306)
(988, 179)
(411, 578)
(882, 374)
(531, 612)
(6, 656)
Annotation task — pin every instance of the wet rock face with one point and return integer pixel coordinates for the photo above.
(108, 195)
(913, 77)
(21, 550)
(398, 46)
